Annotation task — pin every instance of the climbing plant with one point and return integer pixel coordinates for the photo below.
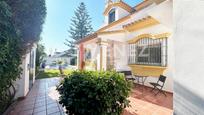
(28, 18)
(20, 26)
(10, 56)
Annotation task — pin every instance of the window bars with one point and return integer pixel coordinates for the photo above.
(148, 51)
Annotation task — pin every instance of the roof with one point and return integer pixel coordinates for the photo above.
(114, 23)
(95, 35)
(87, 38)
(119, 4)
(137, 8)
(141, 23)
(143, 5)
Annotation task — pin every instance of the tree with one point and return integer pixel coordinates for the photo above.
(40, 55)
(80, 25)
(28, 18)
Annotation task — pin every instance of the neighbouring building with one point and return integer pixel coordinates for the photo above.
(135, 38)
(68, 57)
(27, 77)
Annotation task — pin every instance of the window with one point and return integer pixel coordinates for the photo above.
(147, 51)
(111, 17)
(87, 54)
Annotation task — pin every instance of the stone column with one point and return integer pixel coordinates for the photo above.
(102, 59)
(81, 57)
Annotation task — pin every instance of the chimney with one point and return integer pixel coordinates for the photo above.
(107, 2)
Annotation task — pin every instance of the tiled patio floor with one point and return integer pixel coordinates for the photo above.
(43, 100)
(144, 102)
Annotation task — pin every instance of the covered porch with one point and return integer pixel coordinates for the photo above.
(99, 53)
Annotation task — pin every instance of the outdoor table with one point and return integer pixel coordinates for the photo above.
(141, 80)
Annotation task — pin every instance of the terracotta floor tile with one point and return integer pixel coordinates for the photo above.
(28, 112)
(40, 113)
(40, 104)
(27, 107)
(53, 110)
(39, 109)
(144, 102)
(56, 113)
(25, 104)
(43, 100)
(40, 101)
(50, 101)
(52, 105)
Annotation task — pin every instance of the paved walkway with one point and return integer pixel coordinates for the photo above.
(43, 100)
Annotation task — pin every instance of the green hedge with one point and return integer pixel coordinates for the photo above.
(94, 93)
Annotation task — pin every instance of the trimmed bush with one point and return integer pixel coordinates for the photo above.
(94, 93)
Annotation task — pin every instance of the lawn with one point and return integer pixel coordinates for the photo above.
(49, 73)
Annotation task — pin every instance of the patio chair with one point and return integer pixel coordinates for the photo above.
(159, 85)
(128, 75)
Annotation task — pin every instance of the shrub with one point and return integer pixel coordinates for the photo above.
(94, 93)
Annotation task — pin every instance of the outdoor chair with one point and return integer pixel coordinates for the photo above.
(159, 85)
(128, 75)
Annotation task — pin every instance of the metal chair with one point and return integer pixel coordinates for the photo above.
(159, 85)
(128, 75)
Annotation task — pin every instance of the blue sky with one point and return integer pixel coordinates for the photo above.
(59, 13)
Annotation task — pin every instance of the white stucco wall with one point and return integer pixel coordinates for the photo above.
(120, 13)
(34, 60)
(121, 52)
(121, 56)
(116, 37)
(189, 57)
(163, 12)
(158, 29)
(22, 84)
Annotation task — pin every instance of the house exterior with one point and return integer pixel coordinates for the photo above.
(27, 77)
(135, 38)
